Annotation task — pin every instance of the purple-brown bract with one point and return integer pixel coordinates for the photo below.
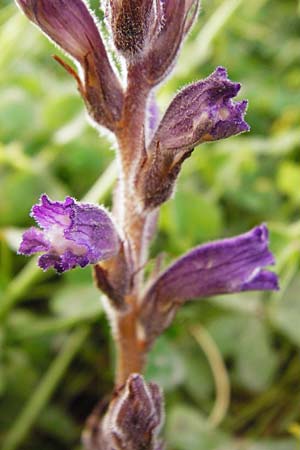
(73, 234)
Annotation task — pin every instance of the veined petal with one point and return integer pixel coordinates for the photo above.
(222, 267)
(48, 213)
(74, 234)
(92, 227)
(33, 241)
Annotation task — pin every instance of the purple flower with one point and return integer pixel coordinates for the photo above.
(73, 234)
(71, 25)
(201, 112)
(222, 267)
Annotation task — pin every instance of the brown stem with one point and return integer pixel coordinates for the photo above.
(131, 139)
(130, 129)
(130, 135)
(131, 356)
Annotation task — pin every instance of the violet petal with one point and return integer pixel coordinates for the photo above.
(201, 112)
(33, 241)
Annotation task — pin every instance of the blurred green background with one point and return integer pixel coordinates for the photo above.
(56, 355)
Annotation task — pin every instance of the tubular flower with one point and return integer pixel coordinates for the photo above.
(201, 112)
(231, 265)
(72, 234)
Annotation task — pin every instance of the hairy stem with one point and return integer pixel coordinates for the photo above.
(131, 355)
(134, 221)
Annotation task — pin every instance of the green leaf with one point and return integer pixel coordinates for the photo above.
(288, 180)
(247, 340)
(190, 218)
(187, 429)
(78, 301)
(165, 365)
(285, 314)
(281, 444)
(256, 360)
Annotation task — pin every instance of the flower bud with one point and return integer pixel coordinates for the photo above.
(133, 419)
(130, 23)
(71, 26)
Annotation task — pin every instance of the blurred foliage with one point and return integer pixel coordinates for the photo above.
(56, 353)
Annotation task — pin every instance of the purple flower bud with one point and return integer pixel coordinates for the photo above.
(70, 25)
(131, 24)
(174, 18)
(73, 234)
(200, 113)
(221, 267)
(133, 419)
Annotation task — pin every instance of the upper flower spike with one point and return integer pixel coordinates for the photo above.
(71, 25)
(201, 112)
(231, 265)
(73, 234)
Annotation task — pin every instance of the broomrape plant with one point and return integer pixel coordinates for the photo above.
(147, 35)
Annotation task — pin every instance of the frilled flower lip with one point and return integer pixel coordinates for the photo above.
(72, 234)
(203, 111)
